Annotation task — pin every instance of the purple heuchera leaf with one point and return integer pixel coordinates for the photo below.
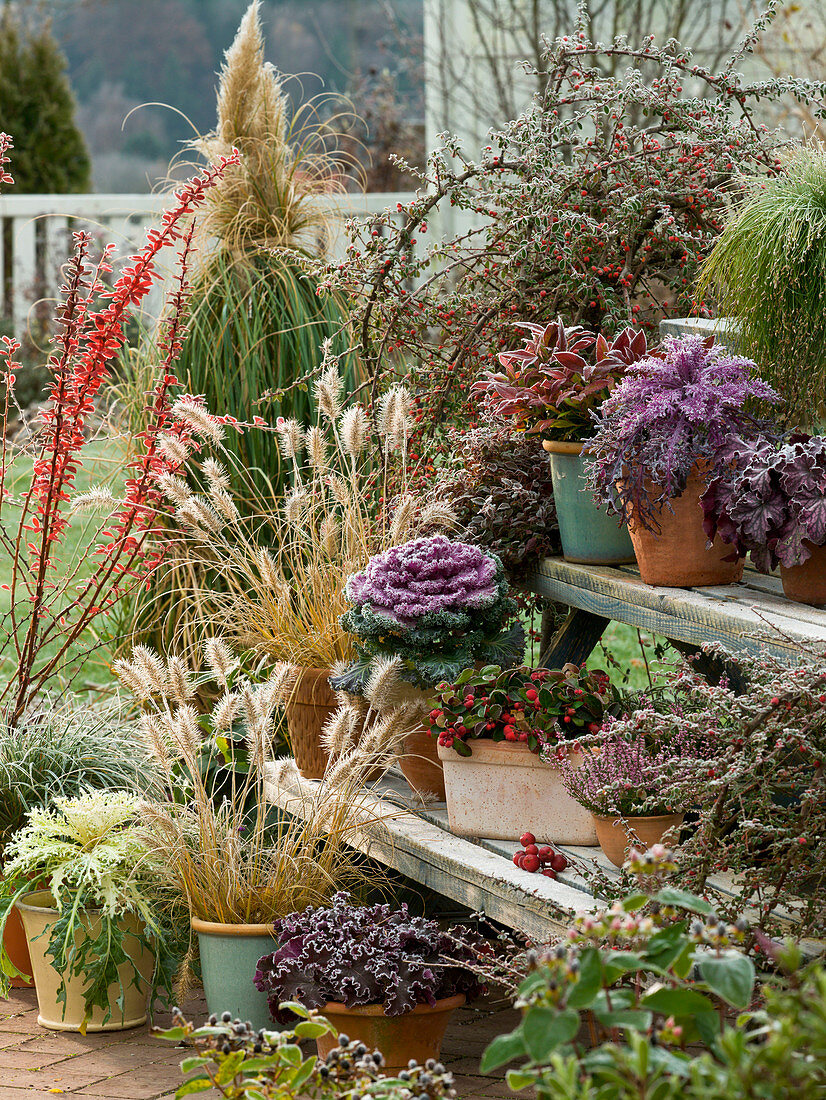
(769, 499)
(364, 955)
(668, 413)
(427, 574)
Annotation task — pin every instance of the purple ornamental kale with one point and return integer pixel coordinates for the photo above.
(667, 414)
(769, 499)
(364, 956)
(426, 575)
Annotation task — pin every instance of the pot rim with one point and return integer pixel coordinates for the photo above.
(444, 1004)
(217, 928)
(638, 817)
(25, 902)
(521, 755)
(563, 447)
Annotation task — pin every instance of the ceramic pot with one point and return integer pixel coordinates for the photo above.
(676, 556)
(503, 789)
(421, 766)
(229, 959)
(587, 534)
(38, 913)
(311, 702)
(418, 1034)
(616, 839)
(806, 583)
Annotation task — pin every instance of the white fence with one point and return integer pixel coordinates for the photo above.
(39, 227)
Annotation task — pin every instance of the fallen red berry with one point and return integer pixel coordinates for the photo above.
(526, 839)
(545, 853)
(518, 857)
(531, 850)
(530, 863)
(559, 862)
(548, 873)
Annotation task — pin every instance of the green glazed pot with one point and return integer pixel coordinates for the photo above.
(229, 957)
(588, 535)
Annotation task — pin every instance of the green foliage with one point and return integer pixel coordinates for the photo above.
(37, 107)
(768, 270)
(270, 1065)
(62, 749)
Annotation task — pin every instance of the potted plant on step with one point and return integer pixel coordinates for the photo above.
(100, 932)
(440, 606)
(625, 782)
(658, 438)
(501, 736)
(551, 388)
(237, 861)
(769, 500)
(380, 976)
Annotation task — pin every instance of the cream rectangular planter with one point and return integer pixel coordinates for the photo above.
(503, 790)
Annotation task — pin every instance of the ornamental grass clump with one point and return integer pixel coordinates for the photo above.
(670, 416)
(372, 955)
(439, 605)
(767, 271)
(768, 499)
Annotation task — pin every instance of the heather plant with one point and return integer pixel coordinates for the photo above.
(769, 499)
(500, 490)
(438, 604)
(544, 708)
(553, 385)
(596, 204)
(370, 955)
(91, 853)
(51, 607)
(240, 1064)
(767, 273)
(671, 415)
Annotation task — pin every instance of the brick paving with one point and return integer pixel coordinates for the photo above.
(132, 1065)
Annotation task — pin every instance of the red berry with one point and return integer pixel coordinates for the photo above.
(526, 839)
(530, 863)
(531, 849)
(518, 857)
(548, 873)
(559, 862)
(545, 853)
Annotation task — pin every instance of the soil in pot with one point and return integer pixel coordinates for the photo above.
(676, 556)
(310, 704)
(588, 534)
(229, 959)
(418, 1034)
(421, 766)
(618, 835)
(503, 789)
(806, 583)
(38, 913)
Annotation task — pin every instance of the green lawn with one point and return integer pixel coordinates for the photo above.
(101, 463)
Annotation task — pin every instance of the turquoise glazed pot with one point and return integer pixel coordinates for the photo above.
(229, 957)
(588, 535)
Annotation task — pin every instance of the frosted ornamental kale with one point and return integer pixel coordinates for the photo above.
(439, 604)
(769, 499)
(364, 956)
(665, 416)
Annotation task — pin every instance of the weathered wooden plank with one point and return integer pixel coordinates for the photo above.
(459, 869)
(689, 615)
(575, 639)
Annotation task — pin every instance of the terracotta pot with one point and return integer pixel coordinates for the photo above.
(310, 704)
(503, 789)
(417, 1034)
(587, 534)
(806, 583)
(617, 835)
(421, 766)
(676, 556)
(38, 916)
(229, 959)
(17, 949)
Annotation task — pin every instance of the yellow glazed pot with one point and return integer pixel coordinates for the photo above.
(38, 913)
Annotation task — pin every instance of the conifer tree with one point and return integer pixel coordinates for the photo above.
(37, 107)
